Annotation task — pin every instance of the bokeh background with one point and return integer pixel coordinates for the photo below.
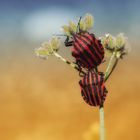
(40, 99)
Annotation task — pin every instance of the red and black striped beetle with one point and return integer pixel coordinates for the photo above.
(87, 50)
(93, 89)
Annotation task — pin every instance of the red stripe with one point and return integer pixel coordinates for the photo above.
(88, 90)
(102, 87)
(85, 90)
(83, 83)
(96, 48)
(89, 43)
(99, 45)
(86, 99)
(86, 48)
(79, 48)
(92, 89)
(97, 94)
(93, 39)
(99, 79)
(98, 86)
(90, 62)
(76, 55)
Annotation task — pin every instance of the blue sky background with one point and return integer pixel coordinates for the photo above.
(35, 20)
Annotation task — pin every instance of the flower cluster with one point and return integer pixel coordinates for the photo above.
(115, 44)
(84, 24)
(48, 48)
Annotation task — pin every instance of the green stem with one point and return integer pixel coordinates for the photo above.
(102, 127)
(68, 62)
(111, 67)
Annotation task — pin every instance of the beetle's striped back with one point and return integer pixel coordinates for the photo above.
(87, 50)
(92, 88)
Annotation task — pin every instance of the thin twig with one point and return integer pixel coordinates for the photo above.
(68, 62)
(111, 67)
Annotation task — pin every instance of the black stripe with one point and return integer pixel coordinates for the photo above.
(90, 89)
(95, 89)
(102, 78)
(92, 49)
(84, 55)
(102, 88)
(99, 44)
(84, 59)
(87, 54)
(99, 88)
(84, 97)
(84, 85)
(93, 42)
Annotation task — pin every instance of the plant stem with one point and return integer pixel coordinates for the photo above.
(111, 67)
(102, 127)
(68, 62)
(109, 70)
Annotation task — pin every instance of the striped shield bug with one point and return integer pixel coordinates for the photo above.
(93, 89)
(86, 48)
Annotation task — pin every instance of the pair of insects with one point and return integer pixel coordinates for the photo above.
(88, 53)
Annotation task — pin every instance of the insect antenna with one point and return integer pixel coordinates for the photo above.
(78, 25)
(59, 35)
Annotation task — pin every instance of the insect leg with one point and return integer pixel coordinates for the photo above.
(80, 69)
(68, 43)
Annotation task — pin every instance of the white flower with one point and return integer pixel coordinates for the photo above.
(120, 40)
(48, 48)
(72, 27)
(119, 45)
(88, 19)
(66, 30)
(85, 24)
(55, 43)
(108, 41)
(41, 52)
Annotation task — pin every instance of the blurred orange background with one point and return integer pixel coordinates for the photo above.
(40, 99)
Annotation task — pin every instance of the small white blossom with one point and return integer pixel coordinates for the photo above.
(66, 30)
(72, 27)
(48, 48)
(120, 40)
(118, 44)
(85, 24)
(88, 20)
